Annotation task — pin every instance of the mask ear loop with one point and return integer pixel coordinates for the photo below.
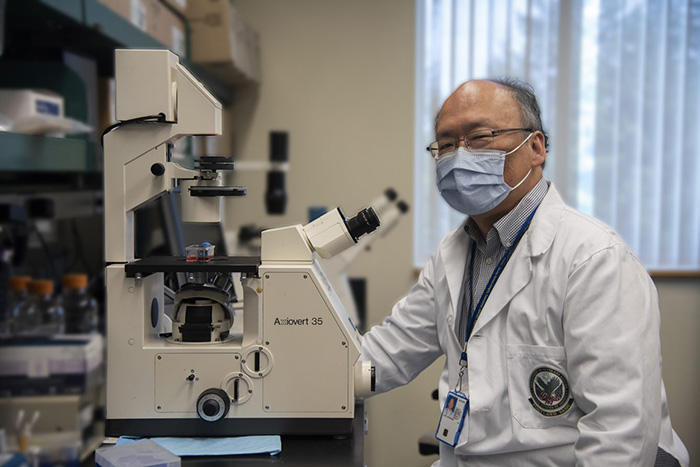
(511, 152)
(521, 181)
(521, 144)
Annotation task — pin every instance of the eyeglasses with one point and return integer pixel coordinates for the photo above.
(480, 139)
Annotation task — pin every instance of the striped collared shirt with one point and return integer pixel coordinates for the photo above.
(490, 251)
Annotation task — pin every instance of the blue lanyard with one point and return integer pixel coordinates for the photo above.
(491, 283)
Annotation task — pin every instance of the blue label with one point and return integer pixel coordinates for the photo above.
(46, 107)
(316, 211)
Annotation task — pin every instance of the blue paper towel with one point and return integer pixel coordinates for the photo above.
(216, 446)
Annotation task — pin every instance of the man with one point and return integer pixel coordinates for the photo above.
(549, 324)
(451, 402)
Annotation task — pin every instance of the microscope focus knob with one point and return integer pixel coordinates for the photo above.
(158, 169)
(213, 405)
(210, 408)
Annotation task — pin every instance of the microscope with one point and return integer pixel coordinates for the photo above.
(288, 362)
(390, 210)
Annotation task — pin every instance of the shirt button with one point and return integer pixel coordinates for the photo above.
(489, 261)
(450, 320)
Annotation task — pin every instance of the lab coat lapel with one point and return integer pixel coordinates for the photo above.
(518, 272)
(454, 258)
(514, 278)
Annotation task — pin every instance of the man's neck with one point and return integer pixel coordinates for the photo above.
(486, 220)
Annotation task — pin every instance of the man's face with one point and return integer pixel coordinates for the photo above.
(479, 105)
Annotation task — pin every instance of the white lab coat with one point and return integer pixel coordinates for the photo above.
(572, 298)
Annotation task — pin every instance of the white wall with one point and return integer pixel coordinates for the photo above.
(679, 300)
(339, 76)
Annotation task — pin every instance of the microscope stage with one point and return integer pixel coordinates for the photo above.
(224, 264)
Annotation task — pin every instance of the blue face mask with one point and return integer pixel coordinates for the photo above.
(471, 180)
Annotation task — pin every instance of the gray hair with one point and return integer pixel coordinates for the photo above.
(526, 99)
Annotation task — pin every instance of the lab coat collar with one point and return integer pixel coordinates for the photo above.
(540, 235)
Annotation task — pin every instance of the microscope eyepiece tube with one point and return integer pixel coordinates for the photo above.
(364, 222)
(333, 232)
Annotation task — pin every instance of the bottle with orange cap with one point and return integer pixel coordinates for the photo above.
(81, 310)
(18, 294)
(40, 314)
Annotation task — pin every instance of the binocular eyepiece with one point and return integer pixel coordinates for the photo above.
(364, 222)
(333, 232)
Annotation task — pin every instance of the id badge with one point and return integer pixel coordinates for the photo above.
(452, 418)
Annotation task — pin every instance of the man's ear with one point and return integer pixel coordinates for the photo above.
(538, 146)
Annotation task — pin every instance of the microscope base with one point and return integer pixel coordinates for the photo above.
(189, 427)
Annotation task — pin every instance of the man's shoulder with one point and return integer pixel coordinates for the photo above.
(580, 237)
(567, 226)
(581, 227)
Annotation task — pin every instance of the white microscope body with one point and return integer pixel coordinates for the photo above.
(289, 365)
(336, 268)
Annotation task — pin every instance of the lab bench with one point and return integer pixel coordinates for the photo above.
(299, 451)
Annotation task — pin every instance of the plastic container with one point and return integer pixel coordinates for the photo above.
(80, 309)
(143, 453)
(200, 252)
(40, 314)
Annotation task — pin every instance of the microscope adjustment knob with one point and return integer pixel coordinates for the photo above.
(158, 169)
(213, 405)
(210, 408)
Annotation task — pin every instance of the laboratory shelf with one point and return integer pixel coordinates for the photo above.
(89, 28)
(70, 8)
(33, 153)
(51, 9)
(122, 33)
(115, 28)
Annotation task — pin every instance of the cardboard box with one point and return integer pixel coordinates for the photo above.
(179, 5)
(223, 42)
(134, 11)
(166, 27)
(155, 19)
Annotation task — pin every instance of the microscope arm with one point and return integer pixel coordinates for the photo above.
(137, 163)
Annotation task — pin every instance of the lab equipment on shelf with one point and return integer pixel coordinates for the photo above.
(80, 309)
(40, 314)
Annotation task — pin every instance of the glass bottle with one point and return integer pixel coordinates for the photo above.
(40, 314)
(18, 294)
(81, 310)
